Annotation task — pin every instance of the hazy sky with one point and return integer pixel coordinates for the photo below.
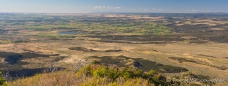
(87, 6)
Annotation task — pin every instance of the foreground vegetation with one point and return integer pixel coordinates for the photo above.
(93, 75)
(98, 75)
(2, 80)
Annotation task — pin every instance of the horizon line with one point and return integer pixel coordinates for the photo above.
(107, 12)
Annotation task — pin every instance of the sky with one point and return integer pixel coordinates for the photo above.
(120, 6)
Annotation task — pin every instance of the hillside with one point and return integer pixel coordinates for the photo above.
(96, 74)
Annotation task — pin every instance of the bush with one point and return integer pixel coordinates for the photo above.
(99, 71)
(126, 74)
(2, 80)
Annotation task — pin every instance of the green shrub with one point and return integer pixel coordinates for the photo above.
(2, 80)
(152, 72)
(99, 71)
(126, 74)
(138, 73)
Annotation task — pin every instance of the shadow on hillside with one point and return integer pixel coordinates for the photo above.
(146, 65)
(15, 74)
(14, 58)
